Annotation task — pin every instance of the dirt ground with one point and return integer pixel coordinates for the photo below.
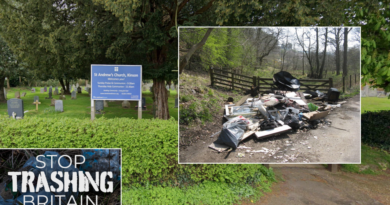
(313, 184)
(337, 143)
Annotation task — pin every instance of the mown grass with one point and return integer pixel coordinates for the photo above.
(81, 107)
(373, 161)
(375, 104)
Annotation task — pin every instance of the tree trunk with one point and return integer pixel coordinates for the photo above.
(324, 54)
(187, 57)
(317, 58)
(63, 84)
(345, 71)
(160, 94)
(2, 99)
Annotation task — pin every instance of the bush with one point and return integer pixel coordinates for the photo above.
(376, 129)
(149, 148)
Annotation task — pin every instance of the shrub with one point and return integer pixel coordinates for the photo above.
(149, 148)
(376, 129)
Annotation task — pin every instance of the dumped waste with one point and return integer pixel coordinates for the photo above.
(276, 112)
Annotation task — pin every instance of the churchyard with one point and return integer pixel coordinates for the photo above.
(77, 105)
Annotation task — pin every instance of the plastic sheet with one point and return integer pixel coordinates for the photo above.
(232, 132)
(99, 160)
(285, 81)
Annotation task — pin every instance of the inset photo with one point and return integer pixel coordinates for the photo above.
(60, 176)
(269, 95)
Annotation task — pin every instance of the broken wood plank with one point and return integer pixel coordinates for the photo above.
(242, 100)
(246, 135)
(218, 147)
(316, 115)
(267, 133)
(300, 94)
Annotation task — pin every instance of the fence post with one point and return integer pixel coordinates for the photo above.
(330, 83)
(258, 82)
(212, 76)
(350, 81)
(254, 81)
(232, 81)
(343, 84)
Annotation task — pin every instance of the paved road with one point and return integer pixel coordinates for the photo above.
(313, 184)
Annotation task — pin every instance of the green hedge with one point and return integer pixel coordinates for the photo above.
(376, 129)
(149, 148)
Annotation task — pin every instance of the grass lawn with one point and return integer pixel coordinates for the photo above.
(374, 161)
(81, 107)
(374, 104)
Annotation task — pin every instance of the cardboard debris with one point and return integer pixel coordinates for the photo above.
(267, 133)
(316, 115)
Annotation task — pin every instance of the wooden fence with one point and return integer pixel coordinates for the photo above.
(234, 81)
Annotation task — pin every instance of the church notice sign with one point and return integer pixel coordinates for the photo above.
(116, 82)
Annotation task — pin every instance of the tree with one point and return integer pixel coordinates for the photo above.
(195, 47)
(336, 43)
(8, 66)
(57, 39)
(345, 61)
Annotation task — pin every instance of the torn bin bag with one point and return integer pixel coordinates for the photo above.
(232, 132)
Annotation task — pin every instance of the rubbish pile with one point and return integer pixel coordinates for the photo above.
(275, 113)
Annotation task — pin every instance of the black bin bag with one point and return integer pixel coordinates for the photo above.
(232, 132)
(285, 81)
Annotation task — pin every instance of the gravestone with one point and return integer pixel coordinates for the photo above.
(176, 103)
(45, 89)
(86, 88)
(53, 102)
(143, 104)
(62, 97)
(73, 87)
(50, 94)
(15, 106)
(36, 105)
(77, 85)
(89, 91)
(79, 89)
(372, 92)
(36, 98)
(105, 103)
(99, 106)
(51, 87)
(42, 90)
(59, 106)
(73, 95)
(24, 94)
(33, 90)
(56, 91)
(125, 104)
(17, 94)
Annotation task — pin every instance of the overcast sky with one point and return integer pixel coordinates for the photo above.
(353, 37)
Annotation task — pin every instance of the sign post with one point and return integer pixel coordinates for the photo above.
(116, 82)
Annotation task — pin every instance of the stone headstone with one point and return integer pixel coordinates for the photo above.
(24, 94)
(89, 91)
(53, 102)
(56, 91)
(77, 85)
(372, 92)
(51, 87)
(17, 94)
(50, 94)
(73, 95)
(176, 103)
(125, 104)
(85, 88)
(99, 106)
(105, 103)
(36, 98)
(59, 106)
(45, 89)
(78, 89)
(33, 90)
(42, 90)
(73, 87)
(15, 106)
